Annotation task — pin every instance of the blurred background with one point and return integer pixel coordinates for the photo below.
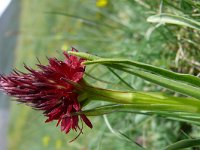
(108, 28)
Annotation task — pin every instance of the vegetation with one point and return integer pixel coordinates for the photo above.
(163, 33)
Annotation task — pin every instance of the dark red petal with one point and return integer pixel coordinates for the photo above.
(77, 76)
(65, 124)
(76, 105)
(58, 121)
(74, 122)
(86, 120)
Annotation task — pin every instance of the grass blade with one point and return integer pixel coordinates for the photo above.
(91, 22)
(122, 80)
(121, 135)
(174, 19)
(184, 144)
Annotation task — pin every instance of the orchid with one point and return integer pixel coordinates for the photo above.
(60, 91)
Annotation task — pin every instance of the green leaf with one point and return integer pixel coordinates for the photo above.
(174, 19)
(165, 82)
(161, 78)
(190, 79)
(173, 112)
(183, 144)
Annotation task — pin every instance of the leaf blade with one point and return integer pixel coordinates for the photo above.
(174, 19)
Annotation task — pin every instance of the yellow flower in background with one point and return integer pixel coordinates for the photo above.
(101, 3)
(58, 144)
(45, 141)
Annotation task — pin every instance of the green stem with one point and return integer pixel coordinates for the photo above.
(84, 55)
(135, 97)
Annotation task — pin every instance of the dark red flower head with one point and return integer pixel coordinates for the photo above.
(47, 90)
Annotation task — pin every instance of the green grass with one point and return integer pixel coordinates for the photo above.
(118, 30)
